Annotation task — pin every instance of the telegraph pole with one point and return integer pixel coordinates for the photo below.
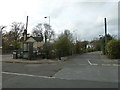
(27, 23)
(105, 34)
(105, 31)
(25, 31)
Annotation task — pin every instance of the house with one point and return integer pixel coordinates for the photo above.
(37, 42)
(29, 46)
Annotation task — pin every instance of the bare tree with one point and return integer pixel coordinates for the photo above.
(48, 32)
(44, 31)
(37, 30)
(17, 29)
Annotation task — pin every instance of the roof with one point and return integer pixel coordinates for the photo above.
(38, 39)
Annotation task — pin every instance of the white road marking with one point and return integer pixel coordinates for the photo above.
(106, 64)
(20, 74)
(110, 65)
(89, 62)
(116, 64)
(94, 64)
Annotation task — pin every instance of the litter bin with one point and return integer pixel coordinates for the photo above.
(15, 54)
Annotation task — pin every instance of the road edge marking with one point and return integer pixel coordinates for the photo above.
(21, 74)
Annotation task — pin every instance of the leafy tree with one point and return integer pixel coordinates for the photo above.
(113, 49)
(96, 45)
(11, 39)
(81, 46)
(64, 44)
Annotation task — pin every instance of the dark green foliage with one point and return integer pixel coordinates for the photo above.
(63, 44)
(102, 41)
(48, 51)
(113, 49)
(81, 47)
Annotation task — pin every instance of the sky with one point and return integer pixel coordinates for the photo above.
(84, 18)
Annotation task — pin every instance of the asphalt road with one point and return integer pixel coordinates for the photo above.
(90, 70)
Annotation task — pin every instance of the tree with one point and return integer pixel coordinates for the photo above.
(11, 39)
(8, 41)
(102, 40)
(48, 33)
(113, 49)
(64, 44)
(43, 30)
(2, 27)
(38, 30)
(17, 29)
(96, 45)
(81, 46)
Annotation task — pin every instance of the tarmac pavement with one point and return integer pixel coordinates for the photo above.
(90, 70)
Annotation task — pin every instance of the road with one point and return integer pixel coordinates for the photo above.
(90, 70)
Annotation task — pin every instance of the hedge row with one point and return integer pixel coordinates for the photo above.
(113, 49)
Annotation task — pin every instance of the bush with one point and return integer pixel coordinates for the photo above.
(63, 45)
(113, 49)
(102, 42)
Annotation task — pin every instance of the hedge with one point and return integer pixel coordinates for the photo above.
(113, 49)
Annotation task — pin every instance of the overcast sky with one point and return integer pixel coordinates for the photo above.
(84, 19)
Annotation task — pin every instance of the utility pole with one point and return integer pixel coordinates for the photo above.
(27, 23)
(25, 31)
(105, 33)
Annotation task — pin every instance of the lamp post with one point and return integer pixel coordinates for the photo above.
(49, 20)
(47, 51)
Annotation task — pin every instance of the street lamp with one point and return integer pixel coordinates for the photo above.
(49, 20)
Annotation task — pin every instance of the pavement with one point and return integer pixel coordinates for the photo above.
(89, 70)
(9, 59)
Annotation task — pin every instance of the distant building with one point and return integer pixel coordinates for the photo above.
(90, 45)
(37, 41)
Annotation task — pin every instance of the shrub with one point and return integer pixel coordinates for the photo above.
(102, 42)
(113, 49)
